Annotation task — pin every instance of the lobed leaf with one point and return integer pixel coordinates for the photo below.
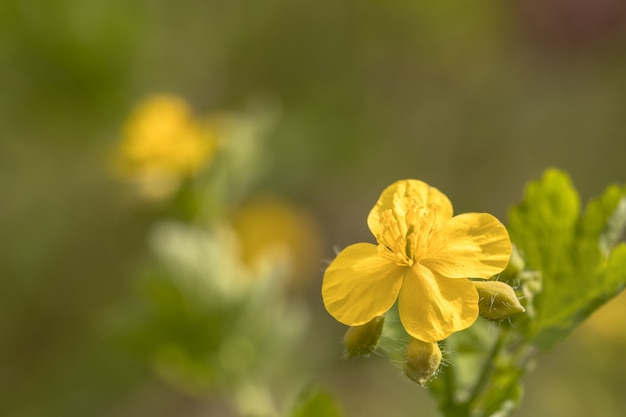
(575, 252)
(314, 402)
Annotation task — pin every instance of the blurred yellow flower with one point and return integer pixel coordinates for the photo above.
(423, 259)
(162, 143)
(274, 233)
(608, 323)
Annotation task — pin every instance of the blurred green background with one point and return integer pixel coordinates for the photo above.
(476, 98)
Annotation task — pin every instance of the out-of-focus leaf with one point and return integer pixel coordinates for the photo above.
(503, 401)
(574, 252)
(314, 402)
(543, 225)
(605, 218)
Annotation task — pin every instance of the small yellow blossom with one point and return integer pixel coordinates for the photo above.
(274, 233)
(607, 323)
(423, 259)
(163, 143)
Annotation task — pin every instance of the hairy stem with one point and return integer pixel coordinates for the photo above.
(486, 371)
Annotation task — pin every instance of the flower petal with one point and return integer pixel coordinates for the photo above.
(474, 245)
(400, 195)
(360, 284)
(432, 307)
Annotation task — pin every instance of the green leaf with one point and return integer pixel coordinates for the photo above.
(315, 402)
(543, 225)
(574, 252)
(605, 218)
(503, 400)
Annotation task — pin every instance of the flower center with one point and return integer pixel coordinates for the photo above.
(408, 241)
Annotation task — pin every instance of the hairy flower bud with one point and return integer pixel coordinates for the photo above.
(531, 284)
(515, 266)
(422, 359)
(497, 300)
(363, 340)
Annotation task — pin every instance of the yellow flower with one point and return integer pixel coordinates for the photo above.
(274, 233)
(423, 259)
(608, 323)
(163, 143)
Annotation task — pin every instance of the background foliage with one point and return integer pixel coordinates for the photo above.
(474, 98)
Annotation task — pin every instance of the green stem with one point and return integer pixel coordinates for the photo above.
(450, 386)
(450, 407)
(486, 371)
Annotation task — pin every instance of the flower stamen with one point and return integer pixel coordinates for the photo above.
(392, 239)
(422, 228)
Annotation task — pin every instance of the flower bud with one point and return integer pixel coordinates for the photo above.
(531, 284)
(514, 267)
(363, 340)
(497, 300)
(421, 360)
